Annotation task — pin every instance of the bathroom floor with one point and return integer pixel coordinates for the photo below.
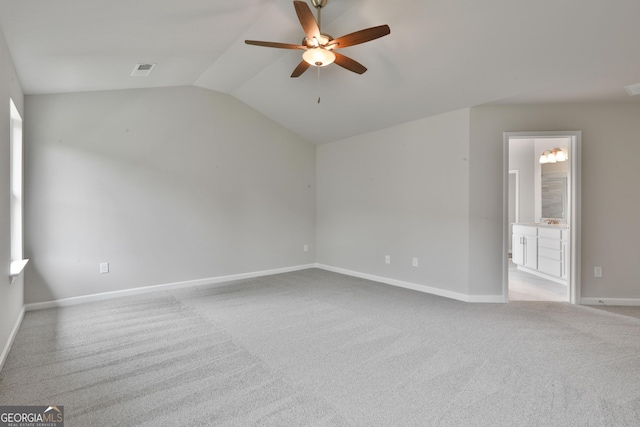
(527, 287)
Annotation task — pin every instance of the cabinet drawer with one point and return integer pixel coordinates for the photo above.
(552, 233)
(550, 266)
(549, 243)
(523, 229)
(550, 253)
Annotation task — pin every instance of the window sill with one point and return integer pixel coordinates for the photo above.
(17, 267)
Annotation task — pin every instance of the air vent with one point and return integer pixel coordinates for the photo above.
(142, 70)
(633, 89)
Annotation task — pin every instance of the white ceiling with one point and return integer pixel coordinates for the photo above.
(441, 55)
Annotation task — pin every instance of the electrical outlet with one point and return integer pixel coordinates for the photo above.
(104, 267)
(415, 262)
(306, 248)
(387, 259)
(597, 271)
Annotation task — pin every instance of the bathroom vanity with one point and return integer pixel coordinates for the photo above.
(542, 249)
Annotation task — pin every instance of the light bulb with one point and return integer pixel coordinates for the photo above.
(560, 156)
(551, 157)
(543, 158)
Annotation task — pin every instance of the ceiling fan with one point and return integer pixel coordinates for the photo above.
(319, 48)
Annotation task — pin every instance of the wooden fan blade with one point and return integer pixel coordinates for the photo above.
(307, 20)
(274, 44)
(301, 68)
(361, 36)
(349, 64)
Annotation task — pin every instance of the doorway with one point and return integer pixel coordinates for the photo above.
(541, 253)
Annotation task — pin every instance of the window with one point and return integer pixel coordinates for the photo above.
(17, 263)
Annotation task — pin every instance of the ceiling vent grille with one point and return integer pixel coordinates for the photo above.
(633, 89)
(142, 70)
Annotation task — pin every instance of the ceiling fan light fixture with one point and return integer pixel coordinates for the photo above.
(319, 57)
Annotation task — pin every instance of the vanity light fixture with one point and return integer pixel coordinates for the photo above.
(553, 156)
(543, 158)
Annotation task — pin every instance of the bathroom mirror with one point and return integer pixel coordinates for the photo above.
(554, 190)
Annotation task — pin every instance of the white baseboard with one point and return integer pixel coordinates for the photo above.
(167, 286)
(486, 299)
(66, 302)
(611, 301)
(416, 287)
(14, 332)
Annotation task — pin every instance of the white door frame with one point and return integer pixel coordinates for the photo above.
(575, 144)
(516, 174)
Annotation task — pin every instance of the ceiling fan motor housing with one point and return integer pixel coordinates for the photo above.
(319, 3)
(325, 39)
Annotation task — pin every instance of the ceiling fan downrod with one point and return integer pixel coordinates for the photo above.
(319, 4)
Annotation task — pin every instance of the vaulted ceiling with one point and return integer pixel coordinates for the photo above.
(441, 55)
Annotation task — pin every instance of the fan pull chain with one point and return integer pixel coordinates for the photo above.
(319, 26)
(318, 85)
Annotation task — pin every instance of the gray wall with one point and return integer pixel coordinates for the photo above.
(402, 192)
(610, 197)
(392, 192)
(11, 294)
(167, 185)
(522, 157)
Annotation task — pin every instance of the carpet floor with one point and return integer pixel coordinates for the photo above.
(315, 348)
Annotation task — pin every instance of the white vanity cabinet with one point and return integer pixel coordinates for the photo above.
(550, 251)
(542, 250)
(525, 246)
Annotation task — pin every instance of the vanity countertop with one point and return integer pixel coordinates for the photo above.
(543, 224)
